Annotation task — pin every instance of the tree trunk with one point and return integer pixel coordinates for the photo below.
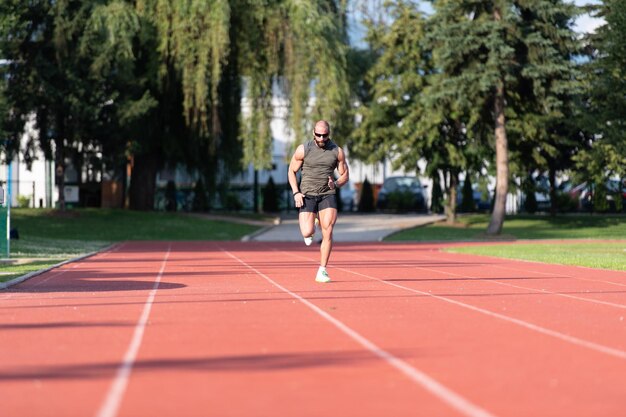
(59, 160)
(451, 203)
(143, 182)
(502, 164)
(554, 205)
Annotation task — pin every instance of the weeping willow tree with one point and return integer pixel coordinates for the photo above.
(158, 82)
(220, 48)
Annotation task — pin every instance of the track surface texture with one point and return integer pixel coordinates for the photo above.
(242, 329)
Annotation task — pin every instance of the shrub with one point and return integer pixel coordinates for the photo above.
(23, 201)
(170, 196)
(530, 201)
(366, 203)
(400, 201)
(467, 203)
(270, 197)
(436, 198)
(200, 201)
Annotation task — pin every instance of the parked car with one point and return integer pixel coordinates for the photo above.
(401, 194)
(349, 197)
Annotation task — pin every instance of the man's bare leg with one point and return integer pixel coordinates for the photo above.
(327, 217)
(307, 225)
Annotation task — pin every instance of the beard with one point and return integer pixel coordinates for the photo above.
(321, 143)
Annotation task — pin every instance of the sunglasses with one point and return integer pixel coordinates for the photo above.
(321, 135)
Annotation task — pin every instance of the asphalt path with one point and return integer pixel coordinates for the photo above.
(350, 227)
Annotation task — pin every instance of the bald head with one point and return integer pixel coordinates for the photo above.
(321, 133)
(323, 126)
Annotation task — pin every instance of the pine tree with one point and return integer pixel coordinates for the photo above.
(494, 56)
(604, 111)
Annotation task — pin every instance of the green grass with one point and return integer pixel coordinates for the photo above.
(591, 254)
(53, 236)
(471, 228)
(10, 271)
(588, 253)
(107, 225)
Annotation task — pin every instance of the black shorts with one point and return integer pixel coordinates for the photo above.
(316, 203)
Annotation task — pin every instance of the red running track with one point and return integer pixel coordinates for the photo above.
(242, 329)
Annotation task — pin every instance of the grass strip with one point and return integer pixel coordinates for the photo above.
(611, 255)
(48, 237)
(473, 227)
(10, 271)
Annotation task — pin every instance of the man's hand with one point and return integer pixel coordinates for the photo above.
(331, 183)
(298, 200)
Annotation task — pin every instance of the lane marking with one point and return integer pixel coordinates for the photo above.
(562, 336)
(439, 390)
(113, 400)
(507, 284)
(548, 275)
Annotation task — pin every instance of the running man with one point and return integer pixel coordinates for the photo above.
(316, 196)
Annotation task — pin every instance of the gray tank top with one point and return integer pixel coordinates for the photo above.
(318, 165)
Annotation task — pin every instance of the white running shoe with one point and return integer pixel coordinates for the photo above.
(308, 240)
(322, 276)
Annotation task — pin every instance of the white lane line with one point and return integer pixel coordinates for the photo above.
(562, 336)
(113, 400)
(507, 284)
(440, 391)
(571, 339)
(548, 275)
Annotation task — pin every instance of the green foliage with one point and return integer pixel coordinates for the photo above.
(366, 202)
(270, 197)
(604, 111)
(23, 201)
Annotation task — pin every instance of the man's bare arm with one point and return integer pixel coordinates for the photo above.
(294, 166)
(342, 168)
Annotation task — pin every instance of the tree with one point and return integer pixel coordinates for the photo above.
(404, 118)
(160, 83)
(604, 110)
(489, 53)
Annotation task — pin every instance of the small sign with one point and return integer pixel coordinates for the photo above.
(70, 192)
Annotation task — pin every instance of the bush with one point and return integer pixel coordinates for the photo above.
(270, 197)
(436, 198)
(232, 203)
(565, 203)
(530, 202)
(467, 203)
(23, 201)
(400, 201)
(170, 196)
(200, 201)
(366, 203)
